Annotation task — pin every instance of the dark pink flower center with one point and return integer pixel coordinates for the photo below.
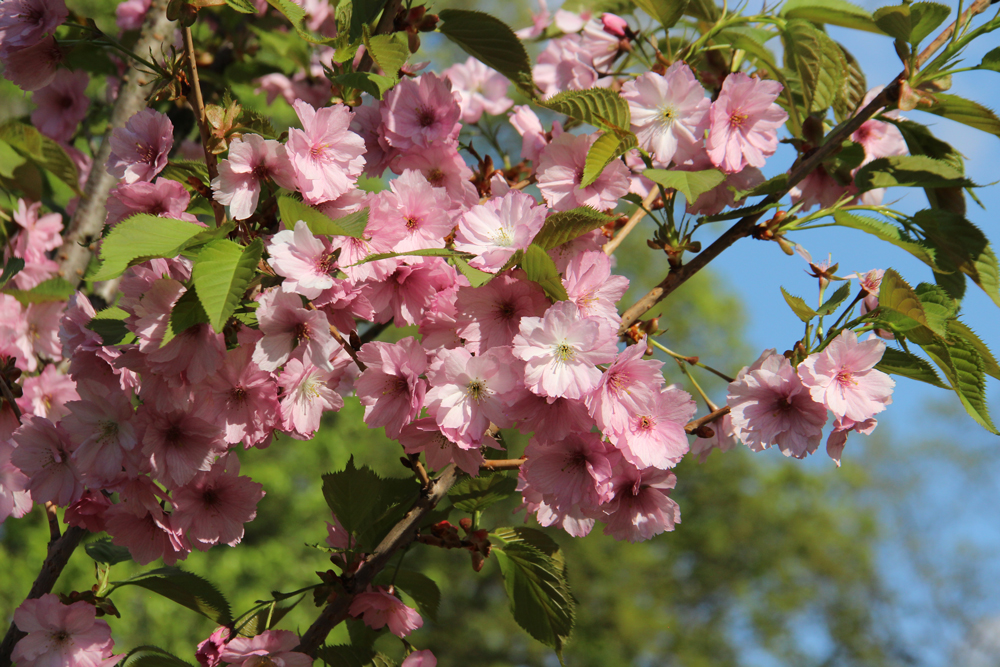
(435, 177)
(325, 263)
(238, 394)
(425, 117)
(646, 423)
(412, 222)
(173, 435)
(146, 152)
(505, 310)
(846, 378)
(301, 332)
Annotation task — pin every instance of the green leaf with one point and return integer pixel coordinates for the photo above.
(541, 269)
(475, 277)
(242, 6)
(818, 60)
(925, 17)
(608, 147)
(53, 289)
(533, 537)
(564, 226)
(421, 252)
(42, 151)
(181, 170)
(600, 107)
(852, 92)
(221, 273)
(375, 85)
(909, 171)
(10, 269)
(10, 160)
(352, 494)
(296, 16)
(887, 232)
(833, 303)
(151, 656)
(798, 306)
(772, 186)
(344, 655)
(970, 381)
(492, 42)
(957, 328)
(140, 238)
(254, 623)
(692, 183)
(939, 307)
(186, 589)
(894, 21)
(965, 246)
(103, 551)
(833, 12)
(667, 12)
(421, 588)
(363, 12)
(964, 111)
(474, 494)
(110, 326)
(991, 60)
(539, 594)
(187, 313)
(900, 304)
(905, 364)
(292, 210)
(388, 52)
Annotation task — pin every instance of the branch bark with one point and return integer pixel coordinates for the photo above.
(402, 534)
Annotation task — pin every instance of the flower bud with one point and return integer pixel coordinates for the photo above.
(614, 25)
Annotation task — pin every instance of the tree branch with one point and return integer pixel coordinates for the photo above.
(634, 220)
(384, 26)
(400, 536)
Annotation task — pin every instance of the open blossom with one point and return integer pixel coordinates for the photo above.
(15, 500)
(744, 123)
(326, 156)
(654, 435)
(494, 231)
(770, 406)
(560, 173)
(59, 634)
(669, 112)
(391, 388)
(308, 392)
(244, 399)
(252, 159)
(533, 135)
(592, 287)
(288, 328)
(271, 647)
(102, 430)
(421, 112)
(492, 312)
(379, 607)
(443, 167)
(163, 197)
(424, 435)
(146, 531)
(23, 23)
(562, 350)
(61, 105)
(641, 506)
(35, 66)
(214, 505)
(139, 150)
(305, 261)
(44, 455)
(480, 89)
(564, 65)
(572, 471)
(844, 379)
(629, 378)
(420, 659)
(413, 212)
(180, 445)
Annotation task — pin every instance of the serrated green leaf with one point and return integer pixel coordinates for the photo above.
(600, 107)
(10, 160)
(296, 16)
(539, 594)
(254, 623)
(909, 171)
(532, 536)
(925, 17)
(692, 183)
(140, 238)
(832, 12)
(151, 656)
(375, 85)
(352, 494)
(492, 42)
(220, 275)
(44, 152)
(186, 589)
(181, 170)
(110, 325)
(388, 52)
(939, 307)
(292, 210)
(474, 494)
(965, 246)
(894, 21)
(10, 269)
(103, 551)
(991, 60)
(798, 306)
(421, 589)
(817, 60)
(363, 12)
(242, 6)
(896, 296)
(970, 381)
(667, 12)
(964, 111)
(53, 289)
(475, 277)
(833, 303)
(540, 268)
(187, 312)
(957, 328)
(905, 364)
(607, 147)
(853, 90)
(887, 232)
(564, 226)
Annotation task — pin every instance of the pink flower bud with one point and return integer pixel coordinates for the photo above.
(614, 25)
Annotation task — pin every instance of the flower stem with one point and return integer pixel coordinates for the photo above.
(691, 360)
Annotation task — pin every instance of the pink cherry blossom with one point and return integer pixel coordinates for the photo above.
(480, 89)
(551, 419)
(843, 377)
(15, 500)
(379, 154)
(669, 112)
(102, 430)
(492, 312)
(252, 160)
(88, 512)
(771, 406)
(614, 24)
(654, 435)
(59, 634)
(309, 391)
(533, 135)
(421, 112)
(564, 65)
(208, 653)
(406, 294)
(147, 533)
(23, 23)
(61, 105)
(214, 505)
(494, 231)
(572, 519)
(305, 261)
(139, 150)
(629, 378)
(326, 155)
(378, 608)
(44, 455)
(288, 328)
(841, 429)
(443, 167)
(244, 398)
(592, 287)
(131, 14)
(420, 659)
(600, 44)
(574, 471)
(424, 435)
(180, 444)
(744, 123)
(414, 212)
(641, 506)
(562, 350)
(560, 173)
(33, 67)
(164, 197)
(46, 394)
(391, 388)
(271, 647)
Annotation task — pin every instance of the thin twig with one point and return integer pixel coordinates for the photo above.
(503, 464)
(198, 104)
(693, 426)
(418, 467)
(52, 516)
(634, 220)
(977, 8)
(9, 397)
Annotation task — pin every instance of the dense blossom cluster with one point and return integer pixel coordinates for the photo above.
(141, 438)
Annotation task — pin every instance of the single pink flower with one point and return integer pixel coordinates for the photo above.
(413, 212)
(326, 155)
(209, 650)
(744, 123)
(494, 231)
(46, 394)
(147, 533)
(61, 105)
(214, 505)
(560, 173)
(443, 167)
(102, 430)
(271, 647)
(407, 293)
(420, 659)
(252, 160)
(421, 112)
(164, 198)
(244, 398)
(305, 261)
(654, 435)
(592, 287)
(23, 23)
(574, 471)
(61, 634)
(38, 234)
(139, 150)
(600, 44)
(424, 435)
(669, 112)
(843, 377)
(492, 313)
(379, 607)
(641, 506)
(480, 89)
(44, 455)
(308, 393)
(33, 67)
(391, 388)
(180, 444)
(564, 65)
(89, 512)
(841, 429)
(289, 328)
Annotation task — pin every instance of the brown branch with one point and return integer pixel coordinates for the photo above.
(384, 26)
(696, 424)
(680, 274)
(88, 220)
(8, 396)
(52, 516)
(503, 464)
(198, 104)
(400, 536)
(977, 7)
(634, 220)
